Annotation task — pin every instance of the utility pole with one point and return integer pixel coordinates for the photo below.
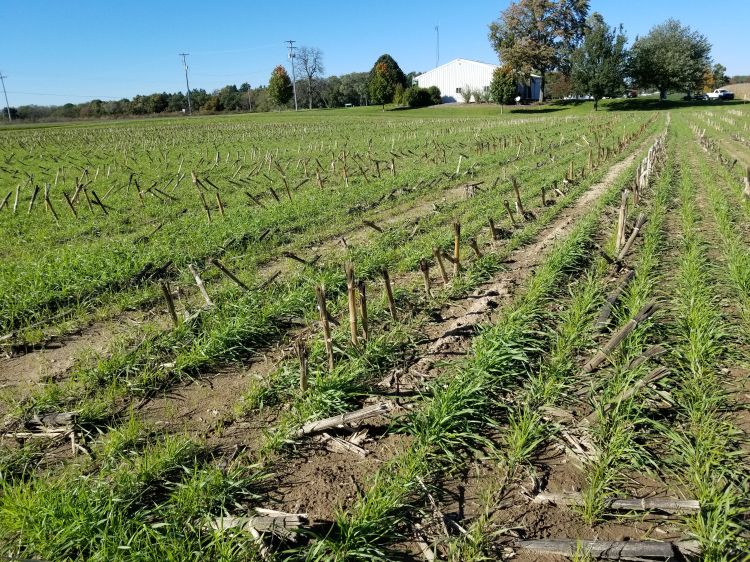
(437, 47)
(294, 78)
(187, 83)
(7, 105)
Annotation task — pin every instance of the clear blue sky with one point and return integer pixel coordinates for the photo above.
(58, 51)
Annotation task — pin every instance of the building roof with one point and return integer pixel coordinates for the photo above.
(459, 61)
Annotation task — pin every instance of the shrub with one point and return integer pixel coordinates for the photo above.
(436, 98)
(417, 97)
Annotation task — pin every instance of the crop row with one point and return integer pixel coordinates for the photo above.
(240, 323)
(676, 426)
(78, 259)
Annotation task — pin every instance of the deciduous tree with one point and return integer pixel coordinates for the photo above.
(671, 57)
(381, 89)
(280, 86)
(598, 65)
(309, 62)
(539, 35)
(504, 86)
(558, 85)
(384, 76)
(719, 76)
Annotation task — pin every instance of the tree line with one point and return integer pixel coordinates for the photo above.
(560, 39)
(318, 92)
(384, 83)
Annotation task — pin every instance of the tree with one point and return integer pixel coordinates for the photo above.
(176, 102)
(337, 91)
(558, 86)
(381, 89)
(395, 74)
(384, 77)
(261, 99)
(13, 112)
(670, 57)
(598, 65)
(398, 95)
(280, 86)
(213, 104)
(156, 103)
(719, 76)
(309, 63)
(504, 86)
(411, 76)
(199, 98)
(539, 35)
(331, 92)
(231, 99)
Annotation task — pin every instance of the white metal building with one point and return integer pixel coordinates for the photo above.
(455, 76)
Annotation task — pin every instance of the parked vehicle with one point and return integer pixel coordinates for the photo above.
(720, 94)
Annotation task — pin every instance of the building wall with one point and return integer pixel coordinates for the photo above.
(536, 87)
(456, 74)
(460, 73)
(530, 88)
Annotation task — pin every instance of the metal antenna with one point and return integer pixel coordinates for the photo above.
(437, 47)
(294, 78)
(187, 84)
(7, 105)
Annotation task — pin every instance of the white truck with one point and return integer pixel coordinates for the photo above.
(720, 94)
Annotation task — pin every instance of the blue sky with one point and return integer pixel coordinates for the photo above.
(59, 51)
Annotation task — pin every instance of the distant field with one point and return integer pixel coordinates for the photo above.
(740, 90)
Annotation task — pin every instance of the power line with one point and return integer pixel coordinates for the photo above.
(294, 78)
(7, 105)
(187, 83)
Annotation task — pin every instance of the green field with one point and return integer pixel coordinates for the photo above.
(483, 366)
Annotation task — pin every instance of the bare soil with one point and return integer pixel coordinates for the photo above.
(21, 373)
